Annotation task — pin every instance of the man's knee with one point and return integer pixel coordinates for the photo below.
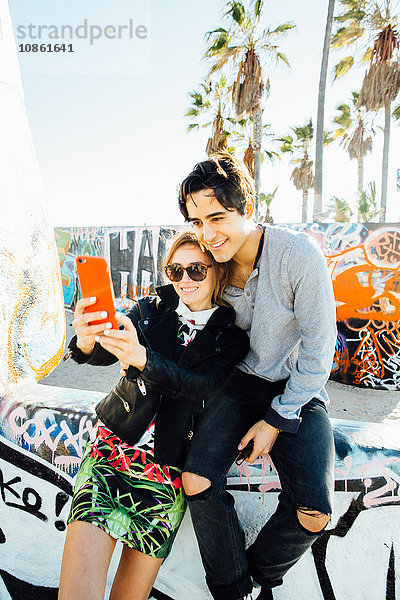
(312, 520)
(194, 484)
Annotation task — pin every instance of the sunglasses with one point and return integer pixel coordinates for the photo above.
(196, 272)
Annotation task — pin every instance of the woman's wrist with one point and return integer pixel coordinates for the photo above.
(141, 359)
(84, 349)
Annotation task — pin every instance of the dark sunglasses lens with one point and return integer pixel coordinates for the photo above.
(173, 273)
(197, 272)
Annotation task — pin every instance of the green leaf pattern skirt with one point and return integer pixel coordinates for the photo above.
(120, 489)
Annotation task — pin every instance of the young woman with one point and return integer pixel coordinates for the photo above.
(181, 354)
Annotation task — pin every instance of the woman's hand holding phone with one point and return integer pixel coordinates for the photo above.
(124, 343)
(86, 334)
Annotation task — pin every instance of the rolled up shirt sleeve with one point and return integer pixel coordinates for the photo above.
(314, 310)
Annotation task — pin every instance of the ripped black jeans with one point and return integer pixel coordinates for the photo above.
(305, 464)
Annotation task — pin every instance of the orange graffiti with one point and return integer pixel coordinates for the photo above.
(130, 293)
(341, 361)
(356, 288)
(367, 358)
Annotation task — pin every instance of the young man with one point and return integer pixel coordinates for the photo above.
(282, 294)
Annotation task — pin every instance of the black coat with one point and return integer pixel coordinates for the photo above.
(181, 387)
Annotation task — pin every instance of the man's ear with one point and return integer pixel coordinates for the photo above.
(250, 206)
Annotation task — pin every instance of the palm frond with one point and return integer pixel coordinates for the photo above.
(381, 85)
(340, 209)
(343, 66)
(248, 87)
(219, 44)
(237, 11)
(328, 137)
(248, 158)
(283, 58)
(272, 155)
(258, 8)
(192, 112)
(302, 176)
(281, 29)
(343, 119)
(367, 204)
(354, 14)
(223, 57)
(366, 57)
(345, 36)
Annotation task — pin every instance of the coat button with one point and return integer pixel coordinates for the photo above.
(217, 349)
(145, 322)
(229, 324)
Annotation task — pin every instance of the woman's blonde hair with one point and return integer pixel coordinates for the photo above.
(221, 270)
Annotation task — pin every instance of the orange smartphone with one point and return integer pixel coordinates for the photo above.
(95, 280)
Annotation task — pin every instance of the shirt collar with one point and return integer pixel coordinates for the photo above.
(200, 317)
(260, 247)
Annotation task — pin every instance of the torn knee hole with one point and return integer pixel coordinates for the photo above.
(312, 520)
(194, 485)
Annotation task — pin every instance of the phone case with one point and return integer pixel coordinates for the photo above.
(95, 280)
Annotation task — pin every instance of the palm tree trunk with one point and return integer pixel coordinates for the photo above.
(360, 173)
(385, 163)
(304, 207)
(319, 145)
(360, 185)
(257, 139)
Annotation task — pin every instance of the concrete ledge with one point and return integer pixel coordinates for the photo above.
(43, 430)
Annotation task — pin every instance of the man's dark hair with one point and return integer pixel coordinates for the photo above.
(227, 176)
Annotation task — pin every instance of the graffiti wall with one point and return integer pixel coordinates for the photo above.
(135, 255)
(364, 261)
(43, 431)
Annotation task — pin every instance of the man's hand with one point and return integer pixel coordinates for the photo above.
(124, 344)
(264, 437)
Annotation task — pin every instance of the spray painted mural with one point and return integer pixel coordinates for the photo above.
(364, 261)
(43, 431)
(135, 255)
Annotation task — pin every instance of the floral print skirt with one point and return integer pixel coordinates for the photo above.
(120, 489)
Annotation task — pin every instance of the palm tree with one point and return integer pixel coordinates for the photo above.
(243, 47)
(353, 131)
(302, 175)
(320, 115)
(367, 206)
(211, 100)
(265, 201)
(340, 209)
(374, 22)
(242, 138)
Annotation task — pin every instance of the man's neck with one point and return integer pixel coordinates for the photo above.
(244, 259)
(246, 255)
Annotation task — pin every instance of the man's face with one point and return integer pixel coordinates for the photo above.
(222, 231)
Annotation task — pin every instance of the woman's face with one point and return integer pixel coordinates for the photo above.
(196, 295)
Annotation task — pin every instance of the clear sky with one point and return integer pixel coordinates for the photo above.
(108, 122)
